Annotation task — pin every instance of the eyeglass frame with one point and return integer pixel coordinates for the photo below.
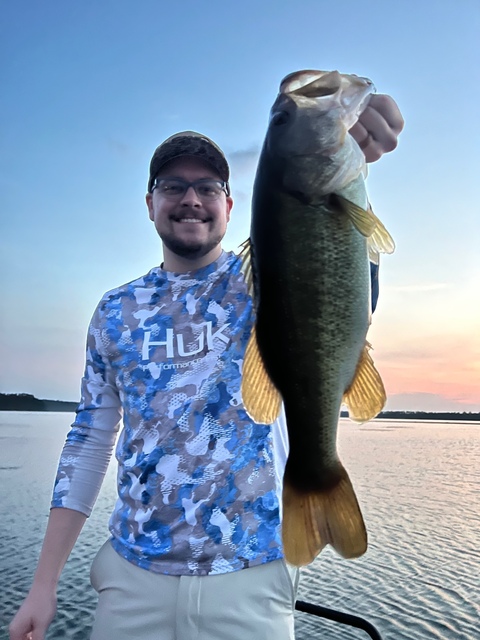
(224, 186)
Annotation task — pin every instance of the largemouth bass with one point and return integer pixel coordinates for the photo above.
(312, 232)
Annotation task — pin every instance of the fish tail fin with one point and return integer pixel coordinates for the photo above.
(313, 519)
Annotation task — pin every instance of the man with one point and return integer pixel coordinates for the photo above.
(195, 548)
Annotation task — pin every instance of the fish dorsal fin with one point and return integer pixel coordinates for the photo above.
(261, 398)
(365, 397)
(245, 255)
(367, 223)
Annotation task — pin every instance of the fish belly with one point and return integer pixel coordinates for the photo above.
(313, 315)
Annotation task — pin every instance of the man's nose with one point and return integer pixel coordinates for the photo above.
(190, 198)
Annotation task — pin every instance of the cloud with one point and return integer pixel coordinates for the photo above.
(419, 288)
(422, 401)
(244, 162)
(118, 147)
(242, 197)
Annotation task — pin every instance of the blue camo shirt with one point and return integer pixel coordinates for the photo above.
(197, 489)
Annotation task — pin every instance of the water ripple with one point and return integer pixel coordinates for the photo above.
(419, 488)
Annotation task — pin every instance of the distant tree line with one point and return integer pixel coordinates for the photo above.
(27, 402)
(424, 415)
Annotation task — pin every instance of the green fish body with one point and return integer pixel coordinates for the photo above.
(311, 279)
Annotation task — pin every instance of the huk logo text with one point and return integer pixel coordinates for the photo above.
(174, 341)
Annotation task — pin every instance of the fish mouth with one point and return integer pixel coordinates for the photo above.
(319, 84)
(311, 84)
(325, 91)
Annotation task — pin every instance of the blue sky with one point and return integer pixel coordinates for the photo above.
(90, 88)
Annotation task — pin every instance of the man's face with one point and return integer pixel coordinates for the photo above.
(189, 227)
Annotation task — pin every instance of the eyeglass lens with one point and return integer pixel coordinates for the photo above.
(175, 188)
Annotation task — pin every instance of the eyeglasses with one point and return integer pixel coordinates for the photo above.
(176, 188)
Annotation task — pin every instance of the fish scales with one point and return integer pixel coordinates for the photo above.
(309, 257)
(311, 336)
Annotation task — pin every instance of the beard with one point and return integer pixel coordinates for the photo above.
(190, 250)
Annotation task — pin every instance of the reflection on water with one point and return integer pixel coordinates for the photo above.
(418, 484)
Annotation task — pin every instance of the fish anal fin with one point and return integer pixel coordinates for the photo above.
(261, 398)
(315, 519)
(366, 396)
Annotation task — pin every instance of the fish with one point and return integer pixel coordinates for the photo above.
(307, 265)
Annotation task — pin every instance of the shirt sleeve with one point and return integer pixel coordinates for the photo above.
(374, 282)
(90, 441)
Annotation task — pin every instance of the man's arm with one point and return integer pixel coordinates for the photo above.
(378, 127)
(83, 463)
(38, 609)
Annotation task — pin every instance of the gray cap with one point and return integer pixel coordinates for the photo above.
(189, 143)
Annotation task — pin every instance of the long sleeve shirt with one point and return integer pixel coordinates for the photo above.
(197, 484)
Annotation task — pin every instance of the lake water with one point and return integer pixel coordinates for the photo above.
(419, 487)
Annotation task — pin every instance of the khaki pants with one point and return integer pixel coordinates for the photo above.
(135, 604)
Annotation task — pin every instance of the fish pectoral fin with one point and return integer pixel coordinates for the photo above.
(366, 396)
(362, 219)
(261, 398)
(380, 241)
(245, 255)
(312, 520)
(367, 223)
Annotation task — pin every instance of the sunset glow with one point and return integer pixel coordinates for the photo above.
(107, 82)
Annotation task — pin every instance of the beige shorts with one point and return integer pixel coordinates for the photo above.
(135, 604)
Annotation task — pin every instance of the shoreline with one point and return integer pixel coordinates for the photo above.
(28, 402)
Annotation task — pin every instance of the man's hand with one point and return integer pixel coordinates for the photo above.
(34, 616)
(38, 610)
(378, 127)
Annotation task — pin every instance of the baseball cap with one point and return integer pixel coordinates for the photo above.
(189, 143)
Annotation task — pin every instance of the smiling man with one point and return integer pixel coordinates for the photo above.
(189, 200)
(195, 548)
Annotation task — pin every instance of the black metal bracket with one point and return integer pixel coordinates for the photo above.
(338, 616)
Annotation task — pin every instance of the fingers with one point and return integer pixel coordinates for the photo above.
(378, 127)
(17, 633)
(27, 628)
(360, 133)
(388, 109)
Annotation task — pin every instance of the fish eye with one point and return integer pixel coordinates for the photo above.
(280, 117)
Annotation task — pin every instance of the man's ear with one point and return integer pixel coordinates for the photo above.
(229, 207)
(149, 201)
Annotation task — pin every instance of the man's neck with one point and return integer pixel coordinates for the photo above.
(179, 264)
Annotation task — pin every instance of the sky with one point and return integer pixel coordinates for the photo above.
(90, 88)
